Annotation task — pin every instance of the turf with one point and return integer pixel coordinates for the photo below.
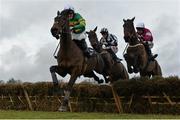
(83, 115)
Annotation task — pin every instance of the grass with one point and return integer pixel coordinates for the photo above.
(75, 115)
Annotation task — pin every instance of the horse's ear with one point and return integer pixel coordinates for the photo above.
(58, 13)
(133, 18)
(124, 20)
(95, 29)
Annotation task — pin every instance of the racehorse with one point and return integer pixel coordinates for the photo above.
(115, 70)
(71, 59)
(136, 56)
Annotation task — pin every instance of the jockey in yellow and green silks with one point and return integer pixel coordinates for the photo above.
(77, 26)
(77, 23)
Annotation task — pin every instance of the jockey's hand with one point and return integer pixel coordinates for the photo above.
(140, 36)
(146, 42)
(72, 29)
(103, 46)
(114, 44)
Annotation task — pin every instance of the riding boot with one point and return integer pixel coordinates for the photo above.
(83, 46)
(115, 58)
(150, 56)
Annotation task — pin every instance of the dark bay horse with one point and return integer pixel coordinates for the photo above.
(70, 58)
(136, 57)
(115, 70)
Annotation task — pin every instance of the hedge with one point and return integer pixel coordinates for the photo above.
(97, 98)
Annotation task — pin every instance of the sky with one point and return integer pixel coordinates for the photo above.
(27, 46)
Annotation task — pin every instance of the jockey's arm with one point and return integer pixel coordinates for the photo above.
(81, 26)
(147, 36)
(140, 37)
(114, 41)
(103, 41)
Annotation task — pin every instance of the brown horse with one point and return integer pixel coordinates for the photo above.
(136, 57)
(115, 70)
(71, 59)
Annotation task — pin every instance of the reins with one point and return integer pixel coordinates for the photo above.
(139, 44)
(54, 54)
(125, 49)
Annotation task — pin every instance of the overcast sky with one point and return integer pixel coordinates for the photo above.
(27, 46)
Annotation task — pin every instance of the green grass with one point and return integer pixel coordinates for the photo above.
(83, 115)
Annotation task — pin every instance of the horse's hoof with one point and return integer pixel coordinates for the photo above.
(130, 71)
(107, 80)
(100, 81)
(62, 109)
(136, 70)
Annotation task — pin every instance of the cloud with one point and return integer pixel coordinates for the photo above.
(15, 63)
(19, 15)
(26, 45)
(167, 39)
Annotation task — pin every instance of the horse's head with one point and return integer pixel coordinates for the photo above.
(129, 30)
(59, 23)
(93, 39)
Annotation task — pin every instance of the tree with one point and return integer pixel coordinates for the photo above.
(13, 81)
(1, 81)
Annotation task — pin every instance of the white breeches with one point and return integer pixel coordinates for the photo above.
(78, 36)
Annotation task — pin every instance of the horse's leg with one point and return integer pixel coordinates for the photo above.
(157, 70)
(108, 63)
(53, 70)
(92, 74)
(136, 65)
(123, 73)
(136, 69)
(130, 70)
(106, 79)
(67, 92)
(57, 69)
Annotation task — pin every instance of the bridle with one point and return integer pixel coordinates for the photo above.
(129, 36)
(61, 26)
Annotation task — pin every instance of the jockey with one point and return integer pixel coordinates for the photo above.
(77, 25)
(109, 42)
(146, 38)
